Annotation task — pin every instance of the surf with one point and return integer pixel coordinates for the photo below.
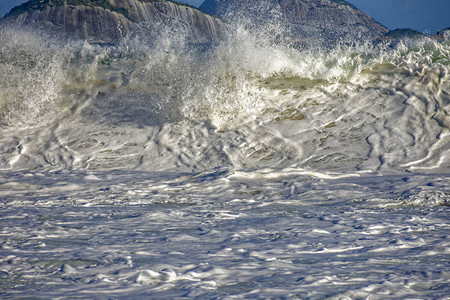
(248, 102)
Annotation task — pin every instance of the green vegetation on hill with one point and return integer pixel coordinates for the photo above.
(176, 2)
(404, 33)
(43, 4)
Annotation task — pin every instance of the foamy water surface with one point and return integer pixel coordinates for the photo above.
(249, 169)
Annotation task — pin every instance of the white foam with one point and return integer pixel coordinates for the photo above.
(249, 170)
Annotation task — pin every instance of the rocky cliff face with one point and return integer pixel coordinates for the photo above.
(333, 20)
(107, 21)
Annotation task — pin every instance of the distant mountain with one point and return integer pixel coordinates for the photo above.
(107, 21)
(404, 33)
(444, 32)
(330, 20)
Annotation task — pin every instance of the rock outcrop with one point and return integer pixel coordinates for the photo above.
(328, 20)
(402, 33)
(396, 36)
(444, 33)
(107, 21)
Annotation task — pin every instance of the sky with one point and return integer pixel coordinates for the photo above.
(426, 16)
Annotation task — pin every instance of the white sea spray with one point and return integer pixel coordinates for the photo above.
(247, 169)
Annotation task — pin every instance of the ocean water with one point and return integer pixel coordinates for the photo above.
(248, 169)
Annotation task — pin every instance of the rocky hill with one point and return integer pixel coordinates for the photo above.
(107, 21)
(401, 33)
(331, 20)
(445, 33)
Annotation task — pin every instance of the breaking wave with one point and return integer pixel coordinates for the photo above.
(248, 102)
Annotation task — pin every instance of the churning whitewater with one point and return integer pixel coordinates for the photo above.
(248, 168)
(250, 103)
